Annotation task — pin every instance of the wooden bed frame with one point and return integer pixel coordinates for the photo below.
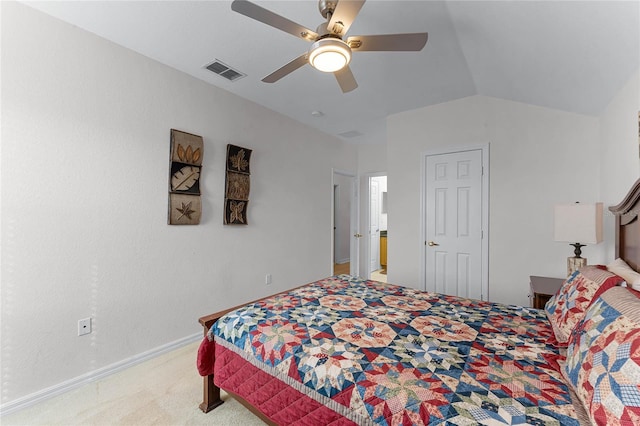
(628, 227)
(627, 247)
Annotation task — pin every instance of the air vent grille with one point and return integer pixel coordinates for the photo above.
(350, 134)
(224, 70)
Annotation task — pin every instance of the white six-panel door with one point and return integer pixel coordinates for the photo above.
(453, 223)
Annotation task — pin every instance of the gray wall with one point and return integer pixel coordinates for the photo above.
(85, 163)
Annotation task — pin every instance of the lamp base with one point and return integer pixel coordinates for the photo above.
(575, 263)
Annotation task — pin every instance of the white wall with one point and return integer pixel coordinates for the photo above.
(372, 158)
(619, 152)
(85, 162)
(538, 157)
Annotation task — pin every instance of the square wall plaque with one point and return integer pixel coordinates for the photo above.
(184, 209)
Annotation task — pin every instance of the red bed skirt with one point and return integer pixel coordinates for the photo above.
(278, 401)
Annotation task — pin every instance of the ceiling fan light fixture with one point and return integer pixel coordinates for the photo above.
(329, 55)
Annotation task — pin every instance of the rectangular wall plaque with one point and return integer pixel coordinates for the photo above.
(185, 207)
(237, 185)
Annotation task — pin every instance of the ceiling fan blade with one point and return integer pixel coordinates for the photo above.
(344, 15)
(409, 42)
(272, 19)
(286, 69)
(346, 80)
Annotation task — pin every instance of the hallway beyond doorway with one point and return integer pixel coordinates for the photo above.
(379, 275)
(343, 268)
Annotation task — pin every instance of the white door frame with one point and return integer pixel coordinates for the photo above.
(353, 226)
(485, 212)
(366, 248)
(371, 234)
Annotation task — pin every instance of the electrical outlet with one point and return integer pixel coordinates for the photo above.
(84, 326)
(267, 279)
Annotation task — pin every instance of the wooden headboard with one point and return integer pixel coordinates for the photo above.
(628, 227)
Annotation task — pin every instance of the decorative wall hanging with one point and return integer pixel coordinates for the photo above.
(185, 207)
(237, 185)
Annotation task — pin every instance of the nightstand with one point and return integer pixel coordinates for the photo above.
(542, 288)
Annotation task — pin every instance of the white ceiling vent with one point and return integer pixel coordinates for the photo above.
(224, 70)
(350, 134)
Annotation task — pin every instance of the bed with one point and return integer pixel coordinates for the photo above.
(343, 351)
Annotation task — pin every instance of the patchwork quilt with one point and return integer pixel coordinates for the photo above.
(382, 354)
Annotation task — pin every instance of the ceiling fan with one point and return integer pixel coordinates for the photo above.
(329, 52)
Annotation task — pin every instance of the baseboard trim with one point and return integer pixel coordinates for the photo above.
(343, 261)
(76, 382)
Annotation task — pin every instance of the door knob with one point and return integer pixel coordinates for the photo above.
(357, 235)
(431, 244)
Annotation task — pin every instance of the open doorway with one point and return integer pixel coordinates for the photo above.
(344, 244)
(377, 265)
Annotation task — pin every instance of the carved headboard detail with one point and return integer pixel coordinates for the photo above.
(628, 227)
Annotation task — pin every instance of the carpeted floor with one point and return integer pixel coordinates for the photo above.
(163, 391)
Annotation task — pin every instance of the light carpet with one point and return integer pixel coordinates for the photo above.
(165, 390)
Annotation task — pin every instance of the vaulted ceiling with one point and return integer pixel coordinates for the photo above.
(567, 55)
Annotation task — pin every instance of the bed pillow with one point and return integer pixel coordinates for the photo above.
(567, 307)
(603, 358)
(622, 269)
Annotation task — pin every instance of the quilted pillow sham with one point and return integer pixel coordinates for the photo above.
(567, 307)
(603, 358)
(622, 269)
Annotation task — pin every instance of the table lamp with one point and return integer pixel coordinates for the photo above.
(578, 224)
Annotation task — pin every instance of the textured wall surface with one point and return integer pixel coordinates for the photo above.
(85, 163)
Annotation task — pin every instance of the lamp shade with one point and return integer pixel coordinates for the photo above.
(578, 223)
